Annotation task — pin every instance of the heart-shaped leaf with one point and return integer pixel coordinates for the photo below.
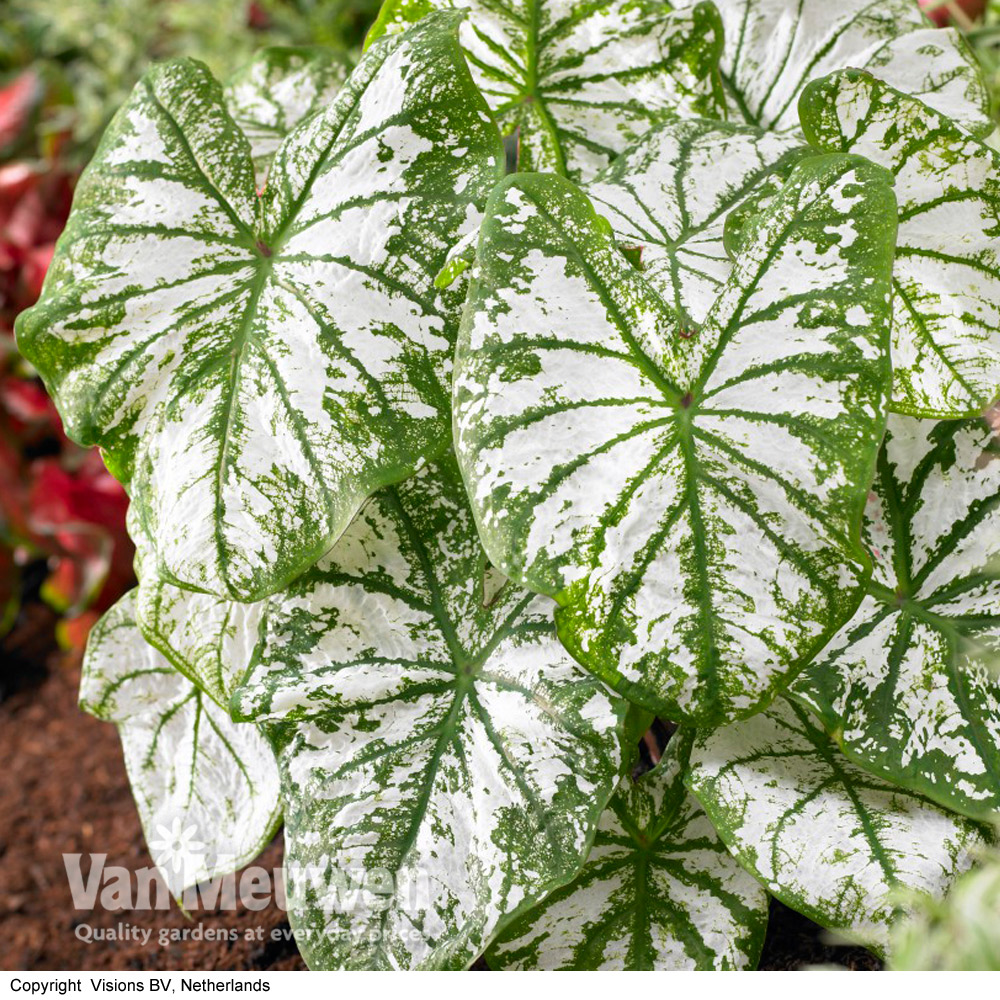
(946, 279)
(826, 838)
(693, 504)
(444, 762)
(910, 687)
(668, 197)
(276, 90)
(659, 891)
(206, 787)
(774, 49)
(254, 369)
(575, 81)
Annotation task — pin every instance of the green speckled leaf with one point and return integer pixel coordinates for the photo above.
(910, 687)
(575, 81)
(276, 90)
(946, 279)
(208, 639)
(775, 47)
(960, 933)
(255, 368)
(668, 197)
(444, 762)
(206, 788)
(692, 502)
(823, 836)
(659, 891)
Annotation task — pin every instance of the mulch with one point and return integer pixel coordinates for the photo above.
(63, 789)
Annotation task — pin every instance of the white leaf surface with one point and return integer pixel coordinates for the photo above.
(827, 839)
(693, 502)
(444, 761)
(775, 47)
(206, 787)
(910, 686)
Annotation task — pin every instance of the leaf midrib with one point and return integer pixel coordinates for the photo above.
(467, 670)
(671, 393)
(240, 344)
(840, 776)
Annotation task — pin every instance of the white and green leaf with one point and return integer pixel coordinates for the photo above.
(692, 502)
(946, 279)
(254, 367)
(206, 787)
(910, 687)
(444, 761)
(659, 891)
(209, 639)
(575, 81)
(669, 195)
(824, 837)
(958, 933)
(774, 48)
(276, 90)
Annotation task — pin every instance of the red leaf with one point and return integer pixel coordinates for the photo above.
(17, 100)
(36, 264)
(942, 14)
(27, 402)
(81, 515)
(71, 633)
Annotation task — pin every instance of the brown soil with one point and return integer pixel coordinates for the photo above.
(63, 788)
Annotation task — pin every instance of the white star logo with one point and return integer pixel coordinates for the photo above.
(176, 846)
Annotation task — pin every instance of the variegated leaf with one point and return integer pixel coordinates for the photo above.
(668, 197)
(946, 319)
(823, 836)
(960, 933)
(209, 639)
(575, 81)
(775, 47)
(910, 687)
(444, 762)
(255, 368)
(276, 90)
(693, 504)
(659, 891)
(206, 788)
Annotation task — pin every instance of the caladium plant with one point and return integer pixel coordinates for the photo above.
(659, 890)
(910, 686)
(444, 484)
(194, 773)
(572, 83)
(275, 91)
(828, 839)
(694, 511)
(185, 318)
(946, 276)
(772, 50)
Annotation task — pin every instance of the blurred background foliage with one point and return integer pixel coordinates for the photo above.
(979, 20)
(87, 54)
(960, 933)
